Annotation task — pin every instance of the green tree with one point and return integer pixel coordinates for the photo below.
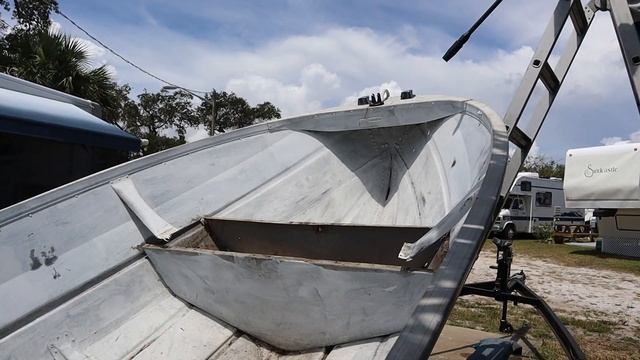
(544, 166)
(59, 62)
(29, 14)
(265, 111)
(234, 112)
(157, 115)
(124, 110)
(32, 52)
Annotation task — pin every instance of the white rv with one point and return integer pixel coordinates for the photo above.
(532, 201)
(607, 178)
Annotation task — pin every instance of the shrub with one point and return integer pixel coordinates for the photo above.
(543, 231)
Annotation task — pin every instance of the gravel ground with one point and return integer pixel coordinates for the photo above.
(587, 292)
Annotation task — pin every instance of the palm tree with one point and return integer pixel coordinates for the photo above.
(57, 61)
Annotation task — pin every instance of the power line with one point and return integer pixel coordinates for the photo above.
(115, 52)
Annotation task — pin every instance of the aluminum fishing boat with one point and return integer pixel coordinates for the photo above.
(323, 235)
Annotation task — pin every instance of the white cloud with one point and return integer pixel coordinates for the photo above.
(95, 52)
(613, 140)
(535, 150)
(306, 73)
(634, 137)
(315, 85)
(55, 26)
(392, 86)
(192, 133)
(195, 134)
(93, 49)
(290, 98)
(318, 77)
(323, 68)
(112, 70)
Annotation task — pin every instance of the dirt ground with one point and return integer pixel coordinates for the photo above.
(586, 292)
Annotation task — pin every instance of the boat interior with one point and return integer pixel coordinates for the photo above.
(306, 241)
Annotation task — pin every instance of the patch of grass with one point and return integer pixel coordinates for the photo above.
(475, 315)
(595, 326)
(485, 315)
(599, 338)
(571, 255)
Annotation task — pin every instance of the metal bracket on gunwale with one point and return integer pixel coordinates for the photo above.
(127, 192)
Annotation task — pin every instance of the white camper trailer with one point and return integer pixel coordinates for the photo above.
(607, 178)
(533, 201)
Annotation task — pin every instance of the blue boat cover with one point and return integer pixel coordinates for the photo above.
(30, 115)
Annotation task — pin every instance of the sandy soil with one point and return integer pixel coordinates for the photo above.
(587, 292)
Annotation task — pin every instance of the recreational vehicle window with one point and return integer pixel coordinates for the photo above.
(518, 204)
(543, 199)
(513, 202)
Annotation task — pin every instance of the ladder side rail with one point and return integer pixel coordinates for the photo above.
(543, 106)
(541, 55)
(629, 39)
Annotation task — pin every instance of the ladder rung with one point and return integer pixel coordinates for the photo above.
(519, 138)
(549, 78)
(578, 17)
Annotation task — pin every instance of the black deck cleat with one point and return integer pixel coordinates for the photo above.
(407, 94)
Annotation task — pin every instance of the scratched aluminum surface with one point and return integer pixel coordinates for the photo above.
(146, 322)
(289, 303)
(61, 243)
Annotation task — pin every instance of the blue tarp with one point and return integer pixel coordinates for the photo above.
(30, 115)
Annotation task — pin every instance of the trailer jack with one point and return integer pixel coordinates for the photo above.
(507, 287)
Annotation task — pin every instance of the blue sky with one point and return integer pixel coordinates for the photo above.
(308, 55)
